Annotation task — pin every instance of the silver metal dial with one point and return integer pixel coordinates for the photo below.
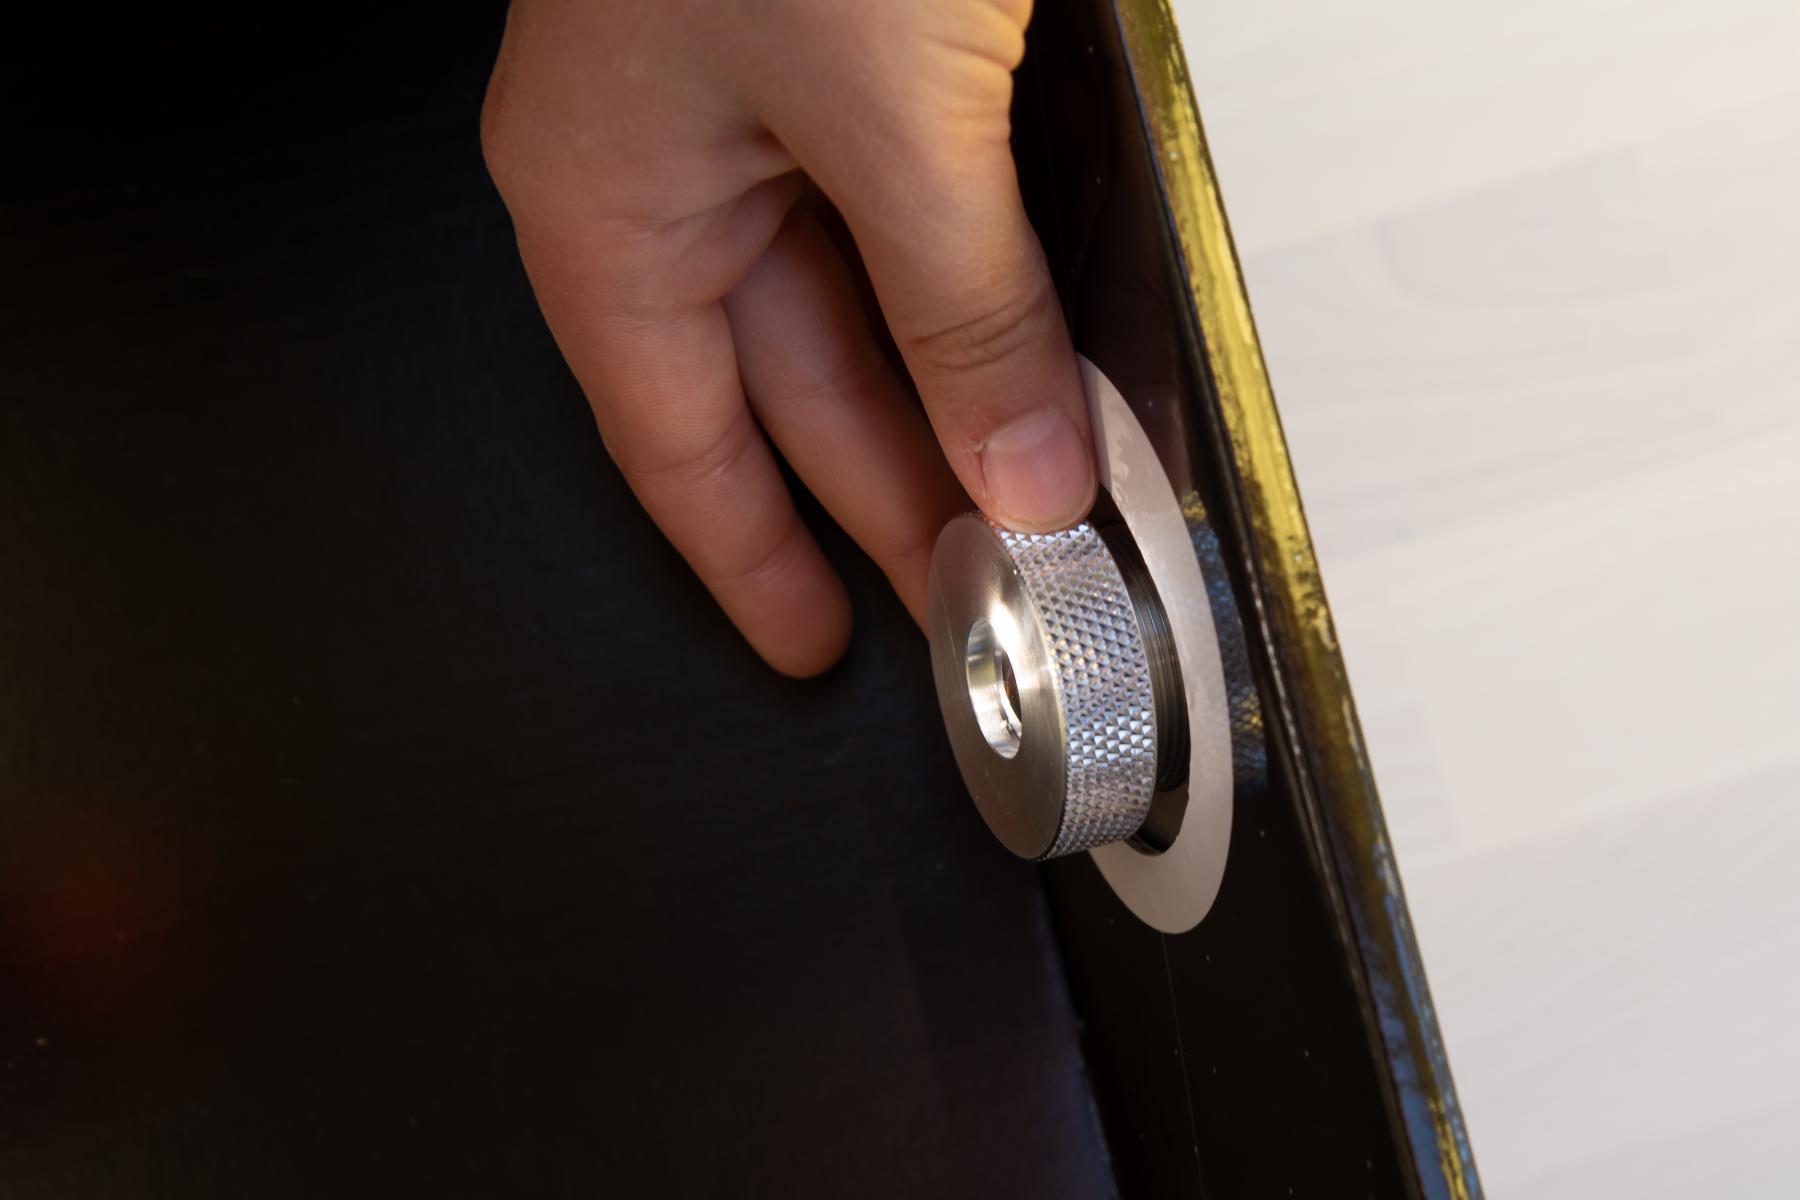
(1045, 685)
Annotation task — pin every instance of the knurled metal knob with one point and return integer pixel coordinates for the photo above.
(1048, 689)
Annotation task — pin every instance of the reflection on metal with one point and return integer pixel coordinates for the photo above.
(1311, 691)
(1171, 890)
(1045, 684)
(1082, 682)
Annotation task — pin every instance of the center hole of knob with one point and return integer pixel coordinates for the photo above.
(993, 689)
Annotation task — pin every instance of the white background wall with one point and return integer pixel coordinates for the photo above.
(1528, 280)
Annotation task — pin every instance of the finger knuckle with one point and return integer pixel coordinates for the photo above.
(760, 563)
(993, 334)
(707, 465)
(497, 140)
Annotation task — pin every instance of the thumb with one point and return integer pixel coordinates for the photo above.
(967, 295)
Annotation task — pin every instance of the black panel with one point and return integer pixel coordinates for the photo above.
(1235, 1060)
(384, 809)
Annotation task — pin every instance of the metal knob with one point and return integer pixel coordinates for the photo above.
(1054, 676)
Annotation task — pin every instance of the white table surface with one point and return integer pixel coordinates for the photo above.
(1528, 280)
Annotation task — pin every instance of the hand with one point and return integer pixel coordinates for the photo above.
(654, 155)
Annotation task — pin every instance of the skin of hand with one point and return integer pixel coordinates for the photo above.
(654, 155)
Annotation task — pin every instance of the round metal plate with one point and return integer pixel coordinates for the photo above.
(1020, 795)
(1173, 890)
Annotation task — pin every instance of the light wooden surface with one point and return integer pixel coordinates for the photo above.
(1528, 280)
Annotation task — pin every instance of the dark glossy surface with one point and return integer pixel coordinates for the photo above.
(1244, 1057)
(384, 810)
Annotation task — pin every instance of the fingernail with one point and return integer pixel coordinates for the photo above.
(1039, 471)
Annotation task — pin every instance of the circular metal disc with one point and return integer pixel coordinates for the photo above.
(1172, 890)
(974, 580)
(1045, 684)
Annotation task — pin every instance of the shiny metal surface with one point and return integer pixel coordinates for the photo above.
(1082, 686)
(1170, 876)
(1045, 684)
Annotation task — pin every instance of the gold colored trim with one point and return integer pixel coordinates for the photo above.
(1315, 686)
